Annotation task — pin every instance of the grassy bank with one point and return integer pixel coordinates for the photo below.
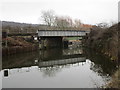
(15, 45)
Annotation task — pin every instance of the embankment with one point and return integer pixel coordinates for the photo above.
(106, 42)
(115, 82)
(15, 45)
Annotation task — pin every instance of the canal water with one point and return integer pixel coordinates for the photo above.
(74, 67)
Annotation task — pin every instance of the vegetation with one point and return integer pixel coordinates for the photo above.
(15, 27)
(115, 83)
(62, 22)
(105, 40)
(73, 38)
(13, 45)
(102, 38)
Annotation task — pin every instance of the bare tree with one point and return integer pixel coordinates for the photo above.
(77, 23)
(63, 22)
(48, 17)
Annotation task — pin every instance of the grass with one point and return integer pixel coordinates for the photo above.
(115, 82)
(73, 38)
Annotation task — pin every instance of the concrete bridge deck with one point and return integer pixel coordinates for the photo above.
(51, 33)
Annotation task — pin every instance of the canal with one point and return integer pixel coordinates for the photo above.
(74, 67)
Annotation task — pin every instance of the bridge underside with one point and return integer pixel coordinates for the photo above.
(50, 42)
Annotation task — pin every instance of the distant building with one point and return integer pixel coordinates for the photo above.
(87, 25)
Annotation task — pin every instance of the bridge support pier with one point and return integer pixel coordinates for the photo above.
(50, 42)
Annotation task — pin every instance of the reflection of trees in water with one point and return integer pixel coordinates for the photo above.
(50, 54)
(100, 72)
(101, 64)
(34, 58)
(58, 53)
(51, 71)
(97, 68)
(19, 60)
(29, 59)
(47, 71)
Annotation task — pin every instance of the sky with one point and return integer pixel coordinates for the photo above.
(88, 11)
(119, 11)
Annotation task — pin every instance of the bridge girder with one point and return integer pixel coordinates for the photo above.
(62, 33)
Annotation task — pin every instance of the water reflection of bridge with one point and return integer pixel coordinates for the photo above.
(61, 62)
(72, 51)
(57, 57)
(49, 69)
(57, 54)
(51, 56)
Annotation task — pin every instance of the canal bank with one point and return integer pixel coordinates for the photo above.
(105, 41)
(16, 45)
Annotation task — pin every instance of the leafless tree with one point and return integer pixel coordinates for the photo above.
(77, 23)
(63, 22)
(48, 17)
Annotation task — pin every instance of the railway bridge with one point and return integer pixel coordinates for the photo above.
(54, 38)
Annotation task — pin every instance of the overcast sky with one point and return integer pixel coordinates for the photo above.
(88, 11)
